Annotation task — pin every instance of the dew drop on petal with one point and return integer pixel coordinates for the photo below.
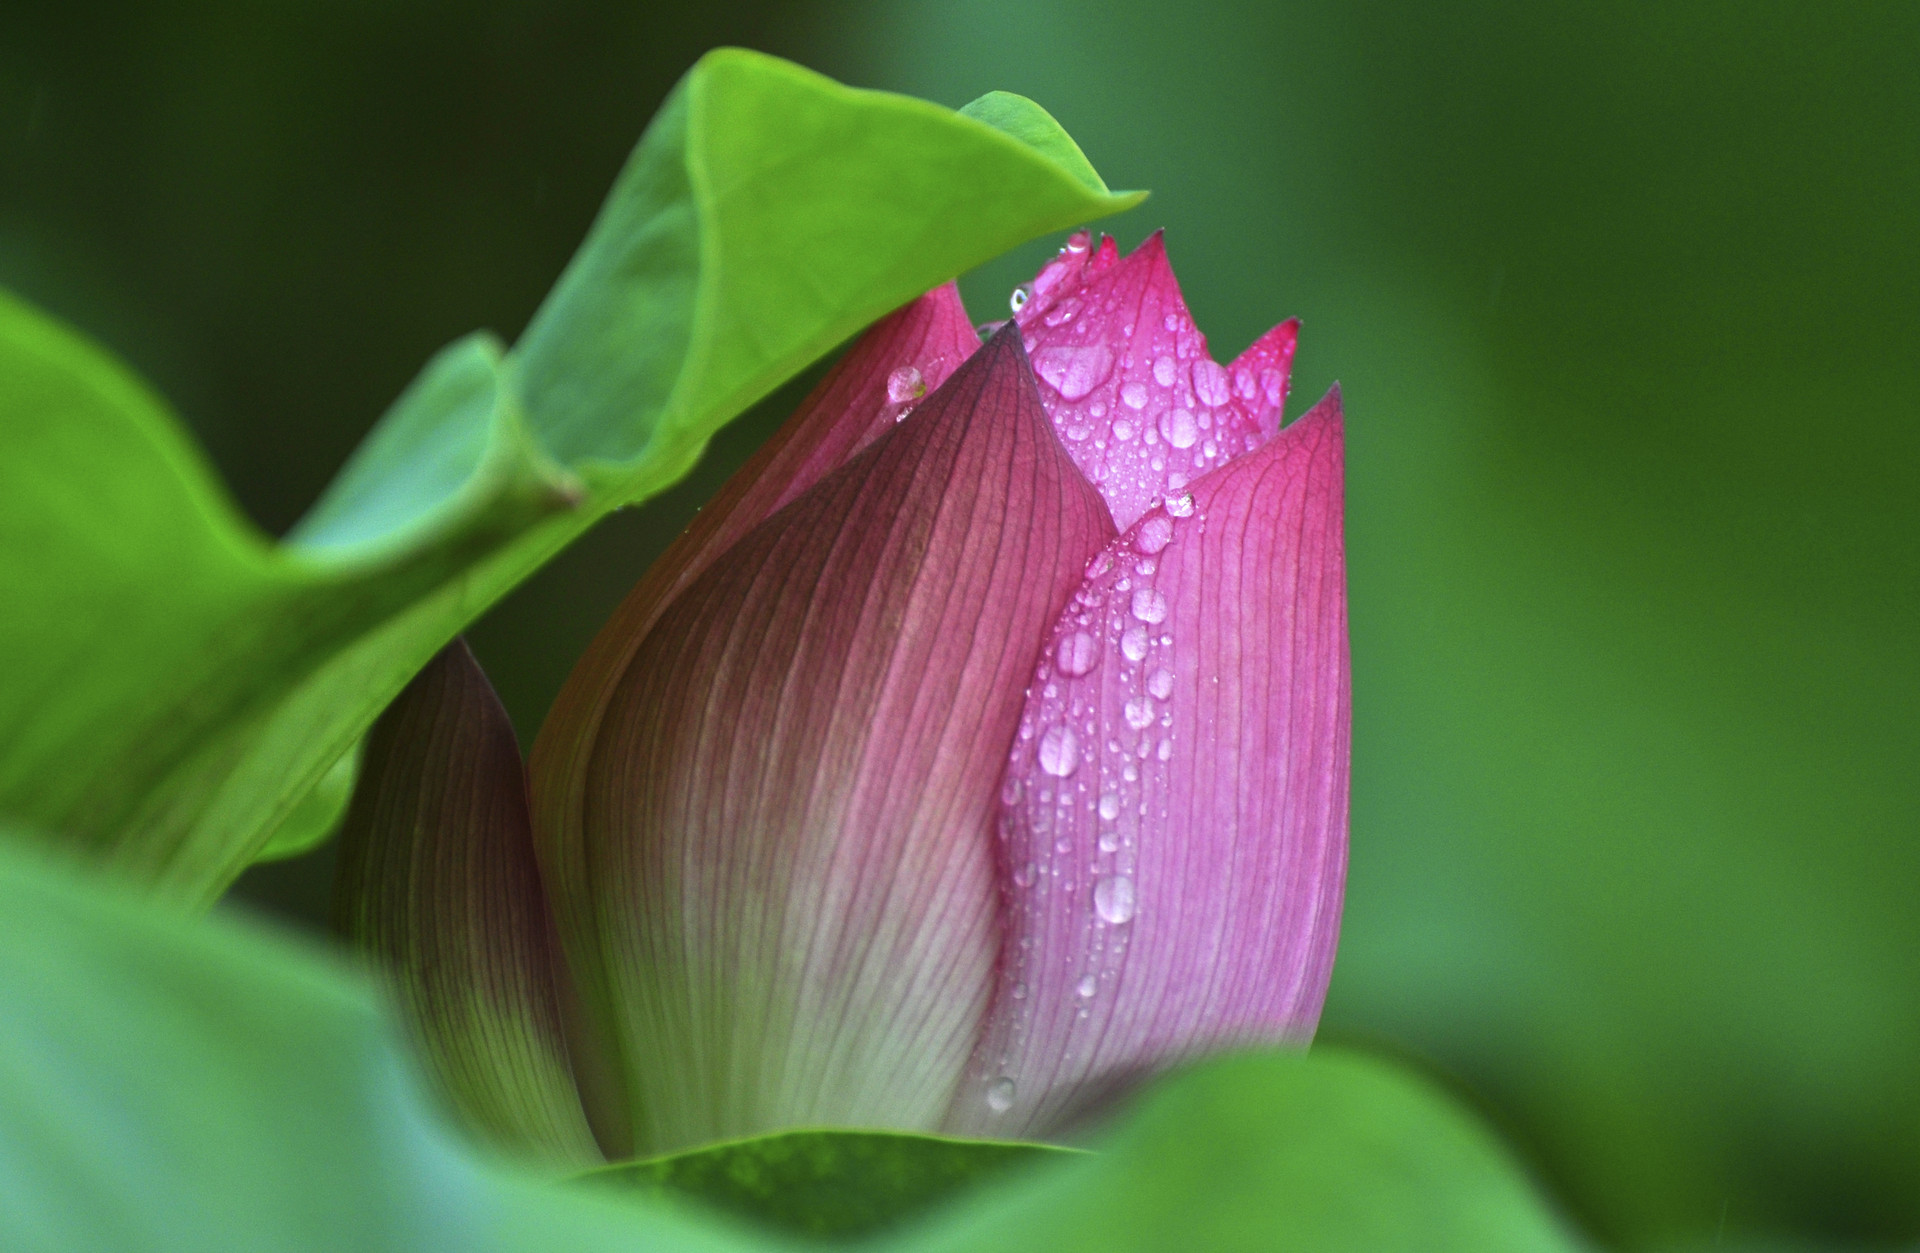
(905, 384)
(1133, 642)
(1179, 428)
(1110, 806)
(1059, 751)
(1062, 312)
(1109, 841)
(1000, 1095)
(1123, 429)
(1150, 605)
(1155, 533)
(1181, 506)
(1025, 875)
(1163, 371)
(1134, 395)
(1245, 385)
(1210, 383)
(1019, 298)
(1072, 370)
(1166, 750)
(1113, 899)
(1139, 712)
(1160, 683)
(1087, 986)
(1018, 991)
(1077, 654)
(1080, 241)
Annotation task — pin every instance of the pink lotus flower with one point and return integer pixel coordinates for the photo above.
(981, 749)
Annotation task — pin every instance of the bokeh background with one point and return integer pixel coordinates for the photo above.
(1625, 299)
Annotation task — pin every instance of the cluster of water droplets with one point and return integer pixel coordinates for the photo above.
(1142, 407)
(1086, 783)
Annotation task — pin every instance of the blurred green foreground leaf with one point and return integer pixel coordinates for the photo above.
(173, 684)
(167, 1082)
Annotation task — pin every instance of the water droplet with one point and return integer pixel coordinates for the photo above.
(1139, 712)
(1244, 384)
(1019, 298)
(1166, 750)
(1077, 653)
(1113, 899)
(1109, 841)
(1131, 774)
(1025, 875)
(1274, 384)
(1087, 986)
(1171, 321)
(1150, 605)
(1160, 683)
(1135, 395)
(1059, 751)
(1000, 1095)
(1210, 382)
(1133, 642)
(1155, 533)
(1181, 506)
(1010, 792)
(905, 384)
(1110, 805)
(1163, 374)
(1018, 991)
(1080, 241)
(1123, 429)
(1072, 370)
(1062, 312)
(1179, 428)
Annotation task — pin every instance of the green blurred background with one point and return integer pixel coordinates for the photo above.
(1625, 299)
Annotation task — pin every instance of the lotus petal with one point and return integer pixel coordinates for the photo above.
(886, 372)
(786, 894)
(1174, 817)
(437, 883)
(1141, 406)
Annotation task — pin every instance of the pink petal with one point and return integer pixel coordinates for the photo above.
(900, 359)
(1141, 406)
(1066, 274)
(787, 897)
(437, 883)
(1174, 818)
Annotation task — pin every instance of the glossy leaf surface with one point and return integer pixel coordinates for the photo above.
(828, 1183)
(1272, 1153)
(172, 683)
